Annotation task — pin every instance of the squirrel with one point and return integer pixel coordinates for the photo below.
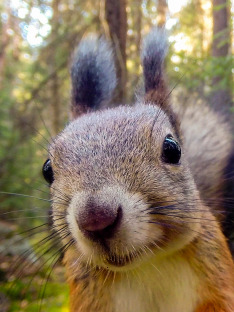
(142, 234)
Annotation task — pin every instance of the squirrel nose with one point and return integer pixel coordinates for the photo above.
(99, 221)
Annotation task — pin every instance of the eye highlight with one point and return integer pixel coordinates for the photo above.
(47, 172)
(171, 152)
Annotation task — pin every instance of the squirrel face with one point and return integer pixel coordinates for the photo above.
(125, 186)
(124, 201)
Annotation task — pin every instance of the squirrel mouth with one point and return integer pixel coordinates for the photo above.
(120, 261)
(128, 258)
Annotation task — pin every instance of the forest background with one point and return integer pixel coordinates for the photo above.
(36, 43)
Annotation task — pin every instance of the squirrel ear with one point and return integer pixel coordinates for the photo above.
(92, 74)
(154, 50)
(153, 54)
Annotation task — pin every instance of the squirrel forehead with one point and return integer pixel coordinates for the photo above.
(131, 125)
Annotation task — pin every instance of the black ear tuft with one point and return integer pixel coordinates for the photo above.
(153, 55)
(93, 75)
(154, 50)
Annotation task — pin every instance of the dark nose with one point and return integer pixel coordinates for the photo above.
(98, 220)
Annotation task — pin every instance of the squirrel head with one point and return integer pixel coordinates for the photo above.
(127, 188)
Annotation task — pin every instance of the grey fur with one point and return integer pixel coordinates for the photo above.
(153, 54)
(93, 73)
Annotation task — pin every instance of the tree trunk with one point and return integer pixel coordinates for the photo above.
(116, 17)
(134, 85)
(138, 27)
(4, 43)
(221, 99)
(162, 9)
(54, 85)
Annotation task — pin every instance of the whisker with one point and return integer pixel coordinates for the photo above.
(34, 228)
(42, 191)
(56, 189)
(44, 263)
(31, 196)
(54, 263)
(39, 226)
(39, 245)
(22, 210)
(25, 195)
(19, 275)
(44, 124)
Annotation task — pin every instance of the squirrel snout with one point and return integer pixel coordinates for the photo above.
(99, 221)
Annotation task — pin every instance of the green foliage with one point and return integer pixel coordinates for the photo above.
(54, 299)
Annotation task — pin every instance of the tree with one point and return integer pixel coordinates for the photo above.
(54, 83)
(162, 12)
(116, 17)
(221, 99)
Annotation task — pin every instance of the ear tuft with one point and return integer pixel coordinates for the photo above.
(154, 51)
(92, 74)
(153, 54)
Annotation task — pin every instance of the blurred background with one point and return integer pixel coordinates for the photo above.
(37, 38)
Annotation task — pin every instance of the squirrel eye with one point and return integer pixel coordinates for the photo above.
(48, 172)
(171, 151)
